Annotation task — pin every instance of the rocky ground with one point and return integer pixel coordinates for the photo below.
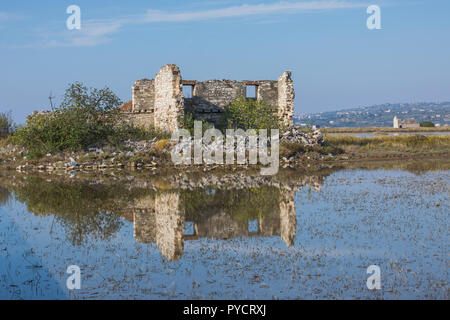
(294, 134)
(143, 155)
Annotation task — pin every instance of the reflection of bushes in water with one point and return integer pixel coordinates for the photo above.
(413, 166)
(82, 209)
(242, 205)
(4, 195)
(425, 165)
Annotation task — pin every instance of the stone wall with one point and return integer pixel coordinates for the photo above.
(407, 123)
(169, 100)
(141, 119)
(143, 96)
(268, 91)
(286, 97)
(209, 98)
(216, 94)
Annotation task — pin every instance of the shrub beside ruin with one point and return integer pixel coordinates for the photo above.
(86, 117)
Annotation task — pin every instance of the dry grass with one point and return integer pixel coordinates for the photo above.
(383, 129)
(392, 144)
(3, 142)
(162, 144)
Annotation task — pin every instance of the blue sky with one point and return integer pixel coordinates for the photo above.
(335, 60)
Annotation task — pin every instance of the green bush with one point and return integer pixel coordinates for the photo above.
(188, 120)
(427, 124)
(247, 114)
(242, 113)
(86, 117)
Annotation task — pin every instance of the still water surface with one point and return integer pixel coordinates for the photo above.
(270, 242)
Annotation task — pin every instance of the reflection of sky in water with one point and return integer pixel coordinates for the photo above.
(253, 226)
(189, 228)
(395, 219)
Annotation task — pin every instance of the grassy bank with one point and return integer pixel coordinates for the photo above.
(384, 129)
(338, 149)
(392, 146)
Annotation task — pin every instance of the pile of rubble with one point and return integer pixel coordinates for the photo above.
(294, 134)
(140, 146)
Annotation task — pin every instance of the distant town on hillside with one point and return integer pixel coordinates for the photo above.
(378, 115)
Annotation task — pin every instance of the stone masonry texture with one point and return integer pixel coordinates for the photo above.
(169, 101)
(286, 97)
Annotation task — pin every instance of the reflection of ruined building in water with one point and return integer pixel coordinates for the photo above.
(407, 123)
(288, 221)
(169, 225)
(160, 102)
(162, 220)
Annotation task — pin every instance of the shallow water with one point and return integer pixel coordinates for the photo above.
(217, 243)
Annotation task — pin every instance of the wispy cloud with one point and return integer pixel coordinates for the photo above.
(249, 10)
(95, 32)
(92, 33)
(6, 17)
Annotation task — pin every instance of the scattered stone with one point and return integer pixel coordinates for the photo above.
(294, 134)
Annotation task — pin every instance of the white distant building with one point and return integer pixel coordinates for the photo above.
(395, 122)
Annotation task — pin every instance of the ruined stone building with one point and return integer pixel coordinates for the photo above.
(407, 123)
(160, 102)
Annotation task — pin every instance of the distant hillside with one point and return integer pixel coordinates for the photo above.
(379, 115)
